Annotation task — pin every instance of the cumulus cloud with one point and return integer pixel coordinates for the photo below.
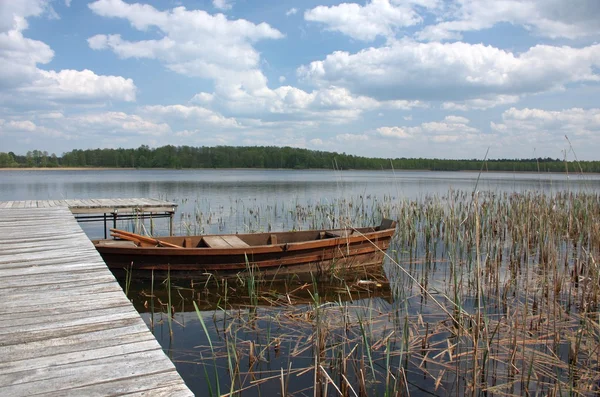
(13, 14)
(375, 18)
(291, 11)
(545, 131)
(85, 84)
(22, 80)
(453, 71)
(393, 132)
(193, 42)
(486, 102)
(575, 122)
(325, 105)
(192, 114)
(549, 18)
(450, 129)
(27, 130)
(202, 98)
(25, 125)
(450, 137)
(120, 123)
(19, 57)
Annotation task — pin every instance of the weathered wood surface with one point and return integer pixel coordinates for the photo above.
(66, 327)
(96, 206)
(224, 242)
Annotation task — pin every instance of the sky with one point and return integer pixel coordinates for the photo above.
(382, 78)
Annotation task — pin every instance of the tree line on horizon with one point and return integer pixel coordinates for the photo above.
(179, 157)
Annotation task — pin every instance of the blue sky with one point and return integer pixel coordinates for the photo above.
(382, 78)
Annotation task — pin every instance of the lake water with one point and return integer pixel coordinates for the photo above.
(262, 339)
(223, 197)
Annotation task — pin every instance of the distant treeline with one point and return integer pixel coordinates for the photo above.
(272, 157)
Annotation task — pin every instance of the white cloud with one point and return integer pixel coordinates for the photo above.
(332, 104)
(22, 81)
(19, 57)
(481, 103)
(376, 18)
(223, 4)
(202, 98)
(456, 119)
(452, 137)
(291, 11)
(549, 18)
(13, 14)
(572, 122)
(68, 3)
(193, 42)
(25, 129)
(192, 114)
(545, 131)
(117, 123)
(393, 132)
(85, 84)
(451, 129)
(453, 71)
(50, 115)
(25, 125)
(351, 137)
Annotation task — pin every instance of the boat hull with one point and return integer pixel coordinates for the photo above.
(361, 249)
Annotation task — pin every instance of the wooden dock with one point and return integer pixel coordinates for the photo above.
(66, 327)
(92, 210)
(87, 206)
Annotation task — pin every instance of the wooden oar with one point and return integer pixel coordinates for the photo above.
(136, 237)
(143, 239)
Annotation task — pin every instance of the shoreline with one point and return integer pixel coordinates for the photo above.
(22, 169)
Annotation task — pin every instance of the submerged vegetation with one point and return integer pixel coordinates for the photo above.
(178, 157)
(481, 294)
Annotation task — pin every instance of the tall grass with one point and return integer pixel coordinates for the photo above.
(487, 294)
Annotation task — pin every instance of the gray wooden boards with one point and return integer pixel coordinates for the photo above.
(98, 206)
(66, 327)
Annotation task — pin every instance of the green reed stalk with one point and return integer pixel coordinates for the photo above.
(212, 350)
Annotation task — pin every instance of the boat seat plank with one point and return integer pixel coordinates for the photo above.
(235, 241)
(224, 242)
(338, 233)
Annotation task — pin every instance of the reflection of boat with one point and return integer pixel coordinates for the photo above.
(288, 290)
(313, 249)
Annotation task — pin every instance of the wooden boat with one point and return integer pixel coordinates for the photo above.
(313, 250)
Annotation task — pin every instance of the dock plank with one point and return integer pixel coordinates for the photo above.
(66, 327)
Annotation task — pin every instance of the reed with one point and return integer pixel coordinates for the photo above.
(488, 294)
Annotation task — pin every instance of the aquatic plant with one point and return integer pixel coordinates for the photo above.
(483, 293)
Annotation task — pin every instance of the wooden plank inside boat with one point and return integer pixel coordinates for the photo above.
(235, 242)
(338, 233)
(224, 242)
